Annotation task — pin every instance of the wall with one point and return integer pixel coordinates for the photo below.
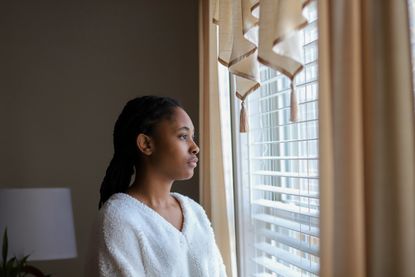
(66, 70)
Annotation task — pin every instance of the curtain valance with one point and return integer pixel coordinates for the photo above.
(266, 32)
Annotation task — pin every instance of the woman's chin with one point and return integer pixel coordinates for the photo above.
(188, 175)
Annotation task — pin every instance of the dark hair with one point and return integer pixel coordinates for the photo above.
(139, 115)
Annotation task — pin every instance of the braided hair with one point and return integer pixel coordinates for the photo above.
(139, 115)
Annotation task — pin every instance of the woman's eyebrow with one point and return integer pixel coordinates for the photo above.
(184, 128)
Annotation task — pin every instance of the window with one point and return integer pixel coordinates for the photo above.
(277, 175)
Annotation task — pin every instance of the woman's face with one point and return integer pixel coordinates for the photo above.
(175, 151)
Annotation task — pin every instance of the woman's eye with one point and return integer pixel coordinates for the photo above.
(183, 136)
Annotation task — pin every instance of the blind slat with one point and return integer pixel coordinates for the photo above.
(275, 267)
(281, 109)
(285, 207)
(288, 224)
(291, 242)
(288, 191)
(283, 174)
(288, 257)
(263, 275)
(283, 125)
(285, 158)
(282, 141)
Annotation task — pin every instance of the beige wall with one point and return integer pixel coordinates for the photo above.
(66, 70)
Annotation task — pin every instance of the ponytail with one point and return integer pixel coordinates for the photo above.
(117, 178)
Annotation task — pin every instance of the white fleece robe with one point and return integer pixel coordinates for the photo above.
(131, 240)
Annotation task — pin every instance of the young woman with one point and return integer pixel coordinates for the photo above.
(144, 229)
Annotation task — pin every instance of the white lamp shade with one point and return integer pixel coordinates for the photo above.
(39, 223)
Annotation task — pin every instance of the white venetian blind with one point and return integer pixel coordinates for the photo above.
(279, 200)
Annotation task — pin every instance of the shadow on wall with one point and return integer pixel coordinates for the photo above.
(67, 70)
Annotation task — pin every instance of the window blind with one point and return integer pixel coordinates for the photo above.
(280, 170)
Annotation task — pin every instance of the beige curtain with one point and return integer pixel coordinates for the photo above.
(216, 195)
(366, 139)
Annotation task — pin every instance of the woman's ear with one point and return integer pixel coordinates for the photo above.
(145, 144)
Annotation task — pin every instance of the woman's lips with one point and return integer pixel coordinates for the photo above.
(193, 162)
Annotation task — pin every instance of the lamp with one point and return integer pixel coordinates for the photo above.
(39, 223)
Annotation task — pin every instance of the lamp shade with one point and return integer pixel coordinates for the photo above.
(39, 223)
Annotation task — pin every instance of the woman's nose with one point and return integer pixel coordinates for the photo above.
(195, 148)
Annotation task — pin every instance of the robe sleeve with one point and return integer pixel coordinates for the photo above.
(119, 251)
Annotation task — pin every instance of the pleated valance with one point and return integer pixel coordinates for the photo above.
(266, 32)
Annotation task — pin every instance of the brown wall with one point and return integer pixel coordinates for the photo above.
(66, 70)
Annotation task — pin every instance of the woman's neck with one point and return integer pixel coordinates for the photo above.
(152, 190)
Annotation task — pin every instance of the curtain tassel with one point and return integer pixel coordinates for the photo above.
(294, 104)
(243, 120)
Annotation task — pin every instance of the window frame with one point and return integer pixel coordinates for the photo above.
(244, 231)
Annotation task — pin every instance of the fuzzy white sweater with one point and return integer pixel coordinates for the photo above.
(131, 240)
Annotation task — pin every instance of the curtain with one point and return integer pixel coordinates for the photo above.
(216, 192)
(367, 181)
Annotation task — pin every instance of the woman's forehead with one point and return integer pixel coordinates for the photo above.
(179, 121)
